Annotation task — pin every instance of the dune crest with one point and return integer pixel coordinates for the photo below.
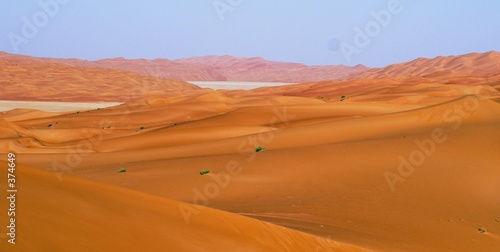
(472, 64)
(396, 163)
(207, 68)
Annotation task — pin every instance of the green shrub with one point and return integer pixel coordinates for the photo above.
(482, 230)
(204, 172)
(122, 170)
(260, 148)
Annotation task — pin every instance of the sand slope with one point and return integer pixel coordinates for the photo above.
(161, 68)
(207, 68)
(474, 64)
(406, 163)
(323, 171)
(262, 70)
(77, 215)
(24, 79)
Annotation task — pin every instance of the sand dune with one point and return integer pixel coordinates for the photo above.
(311, 177)
(406, 163)
(235, 85)
(80, 215)
(161, 68)
(473, 64)
(23, 79)
(207, 68)
(261, 70)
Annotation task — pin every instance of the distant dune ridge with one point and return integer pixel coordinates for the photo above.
(78, 80)
(472, 64)
(28, 78)
(402, 158)
(210, 68)
(261, 70)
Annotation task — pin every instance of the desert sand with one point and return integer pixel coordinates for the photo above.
(396, 163)
(257, 69)
(236, 85)
(206, 68)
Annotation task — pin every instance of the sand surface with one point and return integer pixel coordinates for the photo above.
(258, 69)
(235, 85)
(206, 68)
(31, 79)
(406, 163)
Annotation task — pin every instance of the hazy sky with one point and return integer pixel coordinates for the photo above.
(314, 32)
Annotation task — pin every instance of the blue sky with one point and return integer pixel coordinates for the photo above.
(316, 32)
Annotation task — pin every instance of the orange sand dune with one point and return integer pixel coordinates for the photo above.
(434, 88)
(335, 169)
(165, 69)
(162, 68)
(78, 215)
(207, 68)
(262, 70)
(40, 81)
(474, 64)
(398, 163)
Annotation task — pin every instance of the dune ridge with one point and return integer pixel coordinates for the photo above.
(261, 70)
(207, 68)
(31, 80)
(397, 163)
(472, 64)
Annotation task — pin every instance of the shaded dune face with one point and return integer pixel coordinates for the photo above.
(398, 163)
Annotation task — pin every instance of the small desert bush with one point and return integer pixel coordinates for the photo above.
(260, 148)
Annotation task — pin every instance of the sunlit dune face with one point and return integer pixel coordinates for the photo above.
(396, 163)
